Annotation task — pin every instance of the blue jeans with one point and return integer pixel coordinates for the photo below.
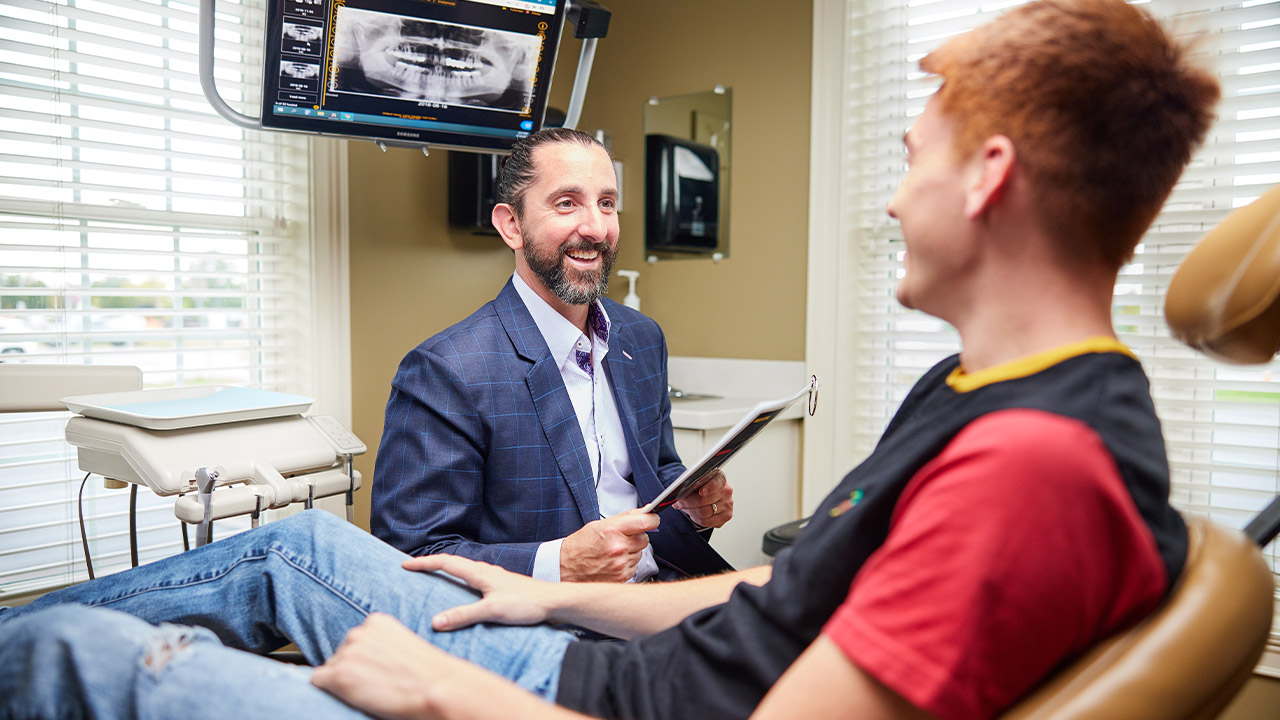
(307, 579)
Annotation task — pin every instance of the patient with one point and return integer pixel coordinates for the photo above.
(1014, 513)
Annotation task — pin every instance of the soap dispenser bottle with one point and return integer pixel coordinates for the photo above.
(632, 300)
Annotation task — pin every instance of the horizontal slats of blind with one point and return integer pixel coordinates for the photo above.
(136, 227)
(39, 215)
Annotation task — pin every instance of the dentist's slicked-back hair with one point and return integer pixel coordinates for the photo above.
(1103, 107)
(518, 171)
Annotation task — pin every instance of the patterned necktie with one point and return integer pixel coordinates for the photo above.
(596, 323)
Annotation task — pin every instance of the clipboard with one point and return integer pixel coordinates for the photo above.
(726, 447)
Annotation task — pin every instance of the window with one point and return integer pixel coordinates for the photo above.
(1222, 423)
(136, 228)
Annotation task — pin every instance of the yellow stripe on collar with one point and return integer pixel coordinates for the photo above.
(962, 382)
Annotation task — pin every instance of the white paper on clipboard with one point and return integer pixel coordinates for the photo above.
(726, 447)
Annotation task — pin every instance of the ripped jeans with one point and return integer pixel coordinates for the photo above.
(72, 661)
(307, 579)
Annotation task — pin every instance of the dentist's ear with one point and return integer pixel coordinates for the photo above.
(992, 167)
(508, 225)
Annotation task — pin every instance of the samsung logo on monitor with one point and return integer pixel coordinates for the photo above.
(402, 133)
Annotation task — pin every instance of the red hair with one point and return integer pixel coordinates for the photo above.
(1102, 106)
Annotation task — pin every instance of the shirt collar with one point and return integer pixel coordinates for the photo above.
(962, 382)
(560, 334)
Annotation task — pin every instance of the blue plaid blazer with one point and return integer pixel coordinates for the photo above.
(482, 455)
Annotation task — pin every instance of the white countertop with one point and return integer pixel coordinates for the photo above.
(715, 413)
(740, 383)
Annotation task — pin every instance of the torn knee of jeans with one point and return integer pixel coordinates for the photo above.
(166, 643)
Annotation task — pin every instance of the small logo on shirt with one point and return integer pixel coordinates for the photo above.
(855, 497)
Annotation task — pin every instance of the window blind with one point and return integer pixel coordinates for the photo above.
(1222, 423)
(136, 228)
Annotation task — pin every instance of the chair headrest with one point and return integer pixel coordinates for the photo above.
(1224, 300)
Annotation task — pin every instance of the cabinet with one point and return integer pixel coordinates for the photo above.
(765, 474)
(765, 480)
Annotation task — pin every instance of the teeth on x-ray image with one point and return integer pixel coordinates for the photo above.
(302, 33)
(399, 57)
(299, 70)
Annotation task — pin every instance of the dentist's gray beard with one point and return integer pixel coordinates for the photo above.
(582, 289)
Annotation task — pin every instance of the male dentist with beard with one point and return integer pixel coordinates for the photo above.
(527, 435)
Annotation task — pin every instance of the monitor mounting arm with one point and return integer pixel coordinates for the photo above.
(590, 22)
(207, 25)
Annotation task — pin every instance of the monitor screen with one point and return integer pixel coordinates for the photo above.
(463, 74)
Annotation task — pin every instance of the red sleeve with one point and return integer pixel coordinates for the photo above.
(1017, 547)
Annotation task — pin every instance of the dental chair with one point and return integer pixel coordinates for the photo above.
(1189, 659)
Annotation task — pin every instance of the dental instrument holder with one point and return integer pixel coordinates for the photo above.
(236, 462)
(590, 22)
(205, 479)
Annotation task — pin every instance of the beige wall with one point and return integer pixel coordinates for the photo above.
(412, 275)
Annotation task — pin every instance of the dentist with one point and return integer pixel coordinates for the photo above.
(527, 435)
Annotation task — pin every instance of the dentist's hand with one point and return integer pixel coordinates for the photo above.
(712, 505)
(606, 550)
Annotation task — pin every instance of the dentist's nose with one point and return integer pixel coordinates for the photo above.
(594, 225)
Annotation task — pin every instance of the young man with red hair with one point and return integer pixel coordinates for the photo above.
(1014, 513)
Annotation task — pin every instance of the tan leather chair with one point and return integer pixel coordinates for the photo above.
(1185, 662)
(1225, 298)
(1188, 660)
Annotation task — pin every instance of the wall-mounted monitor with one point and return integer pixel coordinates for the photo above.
(682, 194)
(462, 74)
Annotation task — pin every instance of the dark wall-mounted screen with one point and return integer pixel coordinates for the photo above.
(464, 74)
(682, 188)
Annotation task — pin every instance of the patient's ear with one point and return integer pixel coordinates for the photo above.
(991, 167)
(508, 225)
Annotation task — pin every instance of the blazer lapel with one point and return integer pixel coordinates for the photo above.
(551, 401)
(621, 373)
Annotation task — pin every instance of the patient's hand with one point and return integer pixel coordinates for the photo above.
(509, 598)
(383, 669)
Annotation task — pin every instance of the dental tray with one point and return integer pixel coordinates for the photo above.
(186, 407)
